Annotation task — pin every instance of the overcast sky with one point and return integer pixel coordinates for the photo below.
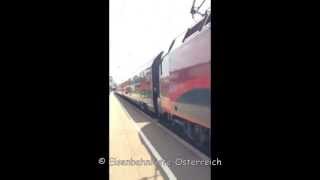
(140, 29)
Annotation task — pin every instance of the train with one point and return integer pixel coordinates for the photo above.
(175, 85)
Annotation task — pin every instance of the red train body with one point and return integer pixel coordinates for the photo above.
(177, 85)
(185, 80)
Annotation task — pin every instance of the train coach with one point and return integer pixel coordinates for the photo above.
(176, 84)
(141, 87)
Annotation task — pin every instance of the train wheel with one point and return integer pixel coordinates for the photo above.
(189, 131)
(170, 121)
(202, 135)
(159, 116)
(141, 106)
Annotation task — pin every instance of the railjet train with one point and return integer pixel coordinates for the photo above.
(176, 85)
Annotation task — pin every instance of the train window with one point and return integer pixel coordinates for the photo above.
(164, 65)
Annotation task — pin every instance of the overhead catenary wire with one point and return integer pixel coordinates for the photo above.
(193, 11)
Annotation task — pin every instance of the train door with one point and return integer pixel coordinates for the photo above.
(155, 82)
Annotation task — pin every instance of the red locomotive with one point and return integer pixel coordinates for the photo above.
(176, 85)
